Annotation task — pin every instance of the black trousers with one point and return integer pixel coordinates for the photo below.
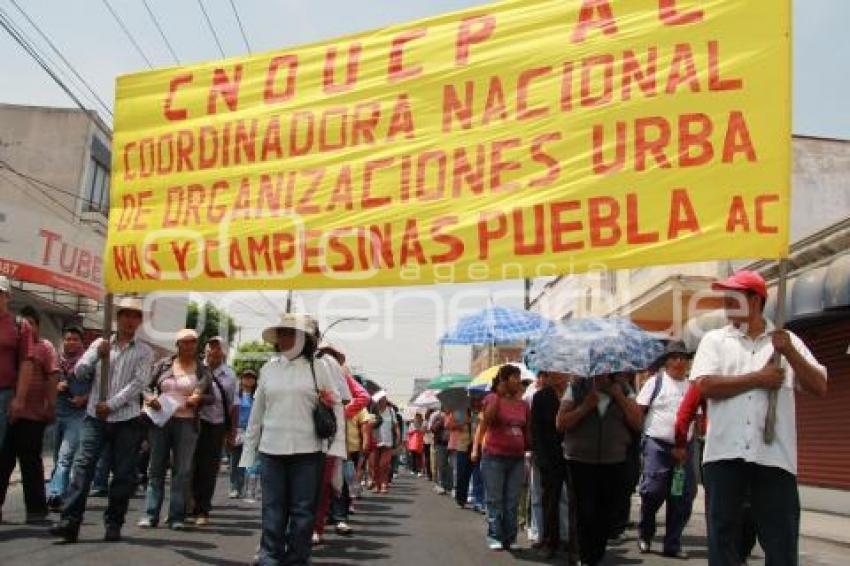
(554, 478)
(775, 504)
(598, 491)
(207, 463)
(23, 444)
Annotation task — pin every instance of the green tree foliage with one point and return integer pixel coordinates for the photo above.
(208, 320)
(251, 355)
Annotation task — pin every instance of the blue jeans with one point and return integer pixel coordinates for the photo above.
(290, 497)
(68, 429)
(175, 442)
(477, 486)
(122, 439)
(503, 481)
(654, 489)
(5, 398)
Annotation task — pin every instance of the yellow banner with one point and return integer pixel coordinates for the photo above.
(517, 139)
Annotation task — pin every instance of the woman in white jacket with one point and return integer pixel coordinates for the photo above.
(281, 430)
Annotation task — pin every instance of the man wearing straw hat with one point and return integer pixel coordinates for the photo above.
(735, 371)
(110, 422)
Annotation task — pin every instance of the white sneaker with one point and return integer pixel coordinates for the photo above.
(440, 491)
(233, 494)
(146, 523)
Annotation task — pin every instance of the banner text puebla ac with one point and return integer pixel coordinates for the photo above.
(519, 139)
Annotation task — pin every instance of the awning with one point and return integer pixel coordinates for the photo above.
(816, 292)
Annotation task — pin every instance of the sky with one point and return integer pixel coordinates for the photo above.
(398, 342)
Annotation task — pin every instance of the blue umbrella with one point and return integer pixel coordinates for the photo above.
(496, 325)
(593, 346)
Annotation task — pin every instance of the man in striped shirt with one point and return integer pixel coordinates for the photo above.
(110, 422)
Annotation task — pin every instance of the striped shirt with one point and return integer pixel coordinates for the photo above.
(129, 374)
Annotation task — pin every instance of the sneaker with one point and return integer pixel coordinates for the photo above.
(233, 494)
(317, 539)
(202, 521)
(146, 523)
(343, 529)
(177, 526)
(644, 546)
(440, 490)
(494, 545)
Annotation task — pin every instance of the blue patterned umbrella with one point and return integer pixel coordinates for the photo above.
(593, 346)
(496, 325)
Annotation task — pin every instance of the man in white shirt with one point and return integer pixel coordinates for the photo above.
(734, 370)
(659, 399)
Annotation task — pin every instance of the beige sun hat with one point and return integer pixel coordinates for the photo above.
(301, 322)
(128, 304)
(185, 333)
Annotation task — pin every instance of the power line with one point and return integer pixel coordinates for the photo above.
(212, 29)
(161, 31)
(7, 24)
(120, 23)
(62, 57)
(45, 194)
(5, 165)
(241, 28)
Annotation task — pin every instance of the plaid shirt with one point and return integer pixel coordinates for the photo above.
(129, 374)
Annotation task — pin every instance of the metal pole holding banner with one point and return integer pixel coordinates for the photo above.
(781, 291)
(103, 391)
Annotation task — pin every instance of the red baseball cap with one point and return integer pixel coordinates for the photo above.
(743, 281)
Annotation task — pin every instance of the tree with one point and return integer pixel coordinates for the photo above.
(251, 355)
(208, 320)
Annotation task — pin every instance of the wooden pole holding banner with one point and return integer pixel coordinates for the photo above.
(103, 391)
(781, 292)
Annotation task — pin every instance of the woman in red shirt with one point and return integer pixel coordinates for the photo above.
(506, 433)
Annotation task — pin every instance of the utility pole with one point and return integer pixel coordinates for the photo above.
(527, 301)
(289, 301)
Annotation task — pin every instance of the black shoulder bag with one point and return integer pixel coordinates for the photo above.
(324, 419)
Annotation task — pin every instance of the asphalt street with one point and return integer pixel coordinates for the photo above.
(411, 525)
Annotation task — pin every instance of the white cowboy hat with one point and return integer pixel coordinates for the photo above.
(301, 322)
(185, 333)
(128, 304)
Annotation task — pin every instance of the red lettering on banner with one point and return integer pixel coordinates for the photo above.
(700, 139)
(365, 127)
(211, 246)
(683, 217)
(553, 167)
(670, 15)
(343, 191)
(181, 253)
(632, 71)
(335, 243)
(761, 202)
(525, 79)
(463, 171)
(351, 69)
(645, 145)
(587, 67)
(226, 88)
(453, 243)
(715, 82)
(185, 147)
(306, 204)
(560, 228)
(324, 143)
(271, 140)
(402, 119)
(296, 150)
(738, 139)
(245, 142)
(207, 147)
(396, 70)
(169, 111)
(152, 267)
(600, 167)
(475, 29)
(436, 192)
(594, 14)
(683, 56)
(128, 172)
(216, 212)
(538, 244)
(195, 197)
(498, 165)
(633, 233)
(173, 207)
(272, 96)
(487, 232)
(368, 201)
(452, 105)
(603, 213)
(280, 253)
(310, 251)
(410, 244)
(737, 217)
(494, 107)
